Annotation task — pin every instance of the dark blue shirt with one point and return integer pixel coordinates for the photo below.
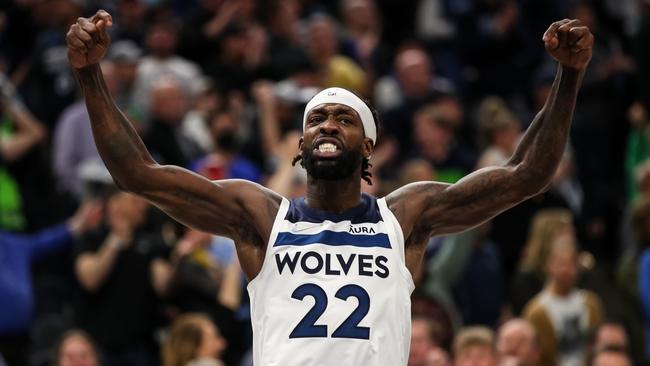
(17, 252)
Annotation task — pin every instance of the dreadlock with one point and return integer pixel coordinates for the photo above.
(365, 164)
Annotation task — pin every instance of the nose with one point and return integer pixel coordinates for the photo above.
(329, 127)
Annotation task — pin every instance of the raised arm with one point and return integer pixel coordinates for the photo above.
(29, 131)
(428, 208)
(239, 209)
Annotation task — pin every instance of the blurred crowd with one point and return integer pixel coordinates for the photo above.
(91, 276)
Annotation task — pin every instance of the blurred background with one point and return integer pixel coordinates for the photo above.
(92, 276)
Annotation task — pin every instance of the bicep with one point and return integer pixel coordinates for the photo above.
(477, 198)
(221, 207)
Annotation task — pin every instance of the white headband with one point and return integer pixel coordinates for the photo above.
(345, 97)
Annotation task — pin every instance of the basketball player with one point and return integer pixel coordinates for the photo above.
(331, 272)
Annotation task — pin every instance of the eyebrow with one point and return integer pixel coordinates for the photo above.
(336, 111)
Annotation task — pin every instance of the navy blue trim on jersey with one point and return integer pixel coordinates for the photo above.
(366, 212)
(334, 238)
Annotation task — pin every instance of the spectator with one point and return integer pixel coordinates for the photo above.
(641, 227)
(500, 130)
(130, 21)
(599, 123)
(610, 356)
(638, 148)
(642, 55)
(546, 226)
(73, 139)
(517, 341)
(195, 123)
(493, 48)
(468, 267)
(434, 137)
(628, 276)
(435, 25)
(50, 85)
(205, 25)
(563, 316)
(76, 348)
(161, 61)
(611, 334)
(416, 170)
(474, 346)
(400, 96)
(242, 57)
(207, 279)
(323, 48)
(224, 161)
(278, 119)
(27, 133)
(425, 346)
(126, 56)
(193, 341)
(288, 180)
(413, 83)
(17, 253)
(121, 273)
(362, 39)
(164, 137)
(285, 52)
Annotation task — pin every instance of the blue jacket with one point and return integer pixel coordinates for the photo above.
(17, 252)
(644, 292)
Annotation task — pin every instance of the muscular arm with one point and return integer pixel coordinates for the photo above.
(216, 207)
(428, 208)
(241, 210)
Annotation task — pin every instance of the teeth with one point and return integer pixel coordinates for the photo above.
(327, 147)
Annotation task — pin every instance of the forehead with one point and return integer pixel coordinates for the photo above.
(333, 108)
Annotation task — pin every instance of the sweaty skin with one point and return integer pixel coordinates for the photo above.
(245, 211)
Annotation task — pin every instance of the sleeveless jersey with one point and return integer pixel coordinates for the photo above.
(334, 289)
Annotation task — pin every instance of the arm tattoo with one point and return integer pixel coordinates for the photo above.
(485, 193)
(117, 141)
(543, 144)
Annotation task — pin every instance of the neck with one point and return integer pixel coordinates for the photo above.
(334, 195)
(557, 290)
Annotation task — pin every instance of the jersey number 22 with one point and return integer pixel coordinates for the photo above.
(350, 328)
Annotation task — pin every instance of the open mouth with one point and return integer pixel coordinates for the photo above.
(327, 149)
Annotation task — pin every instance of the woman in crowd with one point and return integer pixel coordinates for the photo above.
(193, 340)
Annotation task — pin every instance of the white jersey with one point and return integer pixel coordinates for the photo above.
(334, 289)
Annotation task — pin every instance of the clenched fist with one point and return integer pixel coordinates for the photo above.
(570, 43)
(88, 41)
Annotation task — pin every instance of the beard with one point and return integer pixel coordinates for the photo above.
(332, 169)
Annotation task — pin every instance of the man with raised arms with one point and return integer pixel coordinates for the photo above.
(307, 258)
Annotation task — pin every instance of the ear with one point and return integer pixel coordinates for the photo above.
(300, 142)
(367, 148)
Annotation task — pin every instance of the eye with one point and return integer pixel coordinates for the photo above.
(315, 119)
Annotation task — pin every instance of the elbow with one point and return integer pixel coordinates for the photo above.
(533, 181)
(135, 180)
